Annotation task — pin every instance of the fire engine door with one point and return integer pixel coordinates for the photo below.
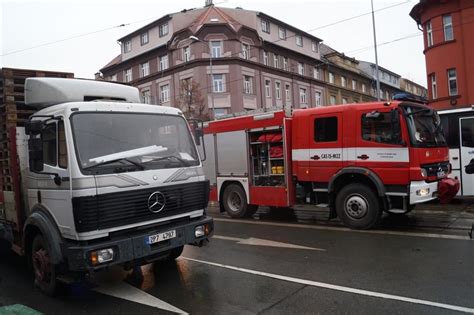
(467, 154)
(325, 146)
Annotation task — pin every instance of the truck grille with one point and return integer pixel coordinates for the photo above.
(123, 208)
(433, 169)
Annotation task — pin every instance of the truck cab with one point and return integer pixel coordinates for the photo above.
(104, 181)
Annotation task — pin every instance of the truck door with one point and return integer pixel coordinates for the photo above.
(379, 145)
(325, 146)
(467, 153)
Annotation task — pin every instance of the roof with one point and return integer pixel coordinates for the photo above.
(380, 68)
(210, 13)
(162, 19)
(416, 11)
(288, 26)
(113, 62)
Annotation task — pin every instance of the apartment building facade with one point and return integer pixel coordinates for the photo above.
(448, 28)
(238, 60)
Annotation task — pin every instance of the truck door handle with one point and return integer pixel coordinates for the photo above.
(315, 157)
(363, 157)
(455, 158)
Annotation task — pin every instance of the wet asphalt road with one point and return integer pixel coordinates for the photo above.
(239, 273)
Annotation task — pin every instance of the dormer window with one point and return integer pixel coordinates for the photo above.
(282, 33)
(299, 40)
(144, 38)
(315, 47)
(163, 29)
(265, 26)
(127, 46)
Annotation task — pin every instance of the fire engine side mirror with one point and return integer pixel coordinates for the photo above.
(35, 151)
(33, 127)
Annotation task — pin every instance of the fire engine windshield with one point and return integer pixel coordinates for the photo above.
(117, 142)
(424, 126)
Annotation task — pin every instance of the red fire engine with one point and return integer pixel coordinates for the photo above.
(358, 159)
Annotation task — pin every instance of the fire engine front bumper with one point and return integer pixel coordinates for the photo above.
(421, 191)
(133, 249)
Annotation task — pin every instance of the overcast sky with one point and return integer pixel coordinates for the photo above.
(26, 24)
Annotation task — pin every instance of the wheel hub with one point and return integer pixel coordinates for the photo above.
(234, 202)
(356, 206)
(41, 265)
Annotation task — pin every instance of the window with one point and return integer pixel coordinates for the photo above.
(164, 93)
(316, 73)
(317, 97)
(467, 133)
(186, 53)
(278, 90)
(343, 81)
(299, 40)
(265, 26)
(285, 63)
(246, 51)
(429, 34)
(128, 75)
(387, 95)
(62, 147)
(301, 68)
(381, 94)
(144, 69)
(282, 33)
(164, 62)
(216, 49)
(265, 58)
(344, 100)
(113, 78)
(325, 129)
(247, 84)
(434, 89)
(163, 29)
(276, 61)
(314, 47)
(127, 47)
(332, 100)
(287, 92)
(303, 96)
(144, 38)
(354, 84)
(452, 82)
(448, 27)
(268, 92)
(146, 96)
(219, 112)
(380, 129)
(331, 77)
(48, 135)
(218, 83)
(363, 88)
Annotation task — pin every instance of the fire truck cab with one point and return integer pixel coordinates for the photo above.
(358, 159)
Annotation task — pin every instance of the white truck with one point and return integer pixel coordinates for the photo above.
(98, 180)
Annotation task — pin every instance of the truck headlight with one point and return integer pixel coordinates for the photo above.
(423, 192)
(424, 173)
(102, 256)
(201, 230)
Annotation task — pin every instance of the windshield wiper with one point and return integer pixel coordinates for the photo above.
(140, 166)
(169, 157)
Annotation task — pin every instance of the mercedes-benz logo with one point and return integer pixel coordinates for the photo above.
(156, 202)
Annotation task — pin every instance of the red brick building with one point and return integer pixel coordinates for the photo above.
(448, 29)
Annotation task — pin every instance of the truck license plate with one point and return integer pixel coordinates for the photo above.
(152, 239)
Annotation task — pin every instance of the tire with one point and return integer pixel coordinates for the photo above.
(235, 202)
(358, 207)
(44, 271)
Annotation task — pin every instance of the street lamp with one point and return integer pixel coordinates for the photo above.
(196, 39)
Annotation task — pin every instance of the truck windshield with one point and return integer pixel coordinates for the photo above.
(424, 126)
(129, 141)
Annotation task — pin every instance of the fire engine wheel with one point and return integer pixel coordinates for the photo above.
(358, 207)
(44, 271)
(235, 202)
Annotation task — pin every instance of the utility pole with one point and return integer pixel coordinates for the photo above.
(376, 56)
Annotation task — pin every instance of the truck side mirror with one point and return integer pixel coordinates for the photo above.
(35, 150)
(33, 127)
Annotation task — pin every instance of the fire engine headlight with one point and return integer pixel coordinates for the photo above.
(423, 192)
(424, 173)
(102, 256)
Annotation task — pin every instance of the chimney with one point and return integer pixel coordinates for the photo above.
(209, 3)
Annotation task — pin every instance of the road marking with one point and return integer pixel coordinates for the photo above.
(343, 229)
(261, 242)
(128, 292)
(337, 287)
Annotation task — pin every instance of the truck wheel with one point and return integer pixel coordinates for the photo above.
(44, 271)
(235, 202)
(358, 207)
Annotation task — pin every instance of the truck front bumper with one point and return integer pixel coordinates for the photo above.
(421, 191)
(135, 249)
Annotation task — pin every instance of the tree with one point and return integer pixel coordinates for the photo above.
(191, 101)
